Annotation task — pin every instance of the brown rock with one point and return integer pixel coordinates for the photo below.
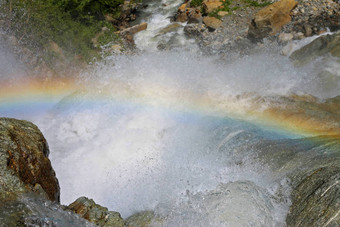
(195, 17)
(181, 17)
(169, 28)
(25, 152)
(182, 7)
(134, 29)
(222, 13)
(211, 6)
(212, 22)
(308, 30)
(95, 213)
(271, 19)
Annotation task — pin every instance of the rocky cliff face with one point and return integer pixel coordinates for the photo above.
(24, 163)
(29, 189)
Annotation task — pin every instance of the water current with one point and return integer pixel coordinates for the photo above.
(168, 131)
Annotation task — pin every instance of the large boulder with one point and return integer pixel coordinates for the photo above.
(24, 163)
(323, 45)
(316, 199)
(271, 19)
(313, 168)
(29, 189)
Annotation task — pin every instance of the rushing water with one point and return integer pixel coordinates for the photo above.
(158, 131)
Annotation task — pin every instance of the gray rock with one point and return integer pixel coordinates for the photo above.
(313, 167)
(326, 44)
(316, 199)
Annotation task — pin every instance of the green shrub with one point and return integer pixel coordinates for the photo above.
(257, 4)
(196, 3)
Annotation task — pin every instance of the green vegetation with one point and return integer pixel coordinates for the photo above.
(195, 3)
(70, 24)
(257, 4)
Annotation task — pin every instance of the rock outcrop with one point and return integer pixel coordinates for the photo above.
(24, 163)
(313, 167)
(29, 189)
(95, 213)
(326, 44)
(271, 19)
(316, 198)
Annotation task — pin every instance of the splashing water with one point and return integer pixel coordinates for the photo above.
(169, 132)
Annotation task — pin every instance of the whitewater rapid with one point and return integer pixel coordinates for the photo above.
(157, 131)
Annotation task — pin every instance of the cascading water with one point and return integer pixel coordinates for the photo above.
(170, 132)
(161, 33)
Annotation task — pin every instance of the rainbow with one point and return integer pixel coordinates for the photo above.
(36, 95)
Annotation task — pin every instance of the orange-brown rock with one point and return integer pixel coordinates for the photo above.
(134, 29)
(181, 17)
(24, 163)
(271, 19)
(211, 6)
(182, 7)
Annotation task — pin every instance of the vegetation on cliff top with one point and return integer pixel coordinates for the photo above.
(70, 24)
(230, 5)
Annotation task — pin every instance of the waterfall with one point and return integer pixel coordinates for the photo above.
(175, 132)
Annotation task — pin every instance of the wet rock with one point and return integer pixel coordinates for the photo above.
(30, 209)
(143, 219)
(162, 46)
(134, 29)
(271, 19)
(24, 159)
(326, 44)
(316, 199)
(29, 190)
(193, 30)
(169, 28)
(95, 213)
(212, 22)
(313, 168)
(195, 16)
